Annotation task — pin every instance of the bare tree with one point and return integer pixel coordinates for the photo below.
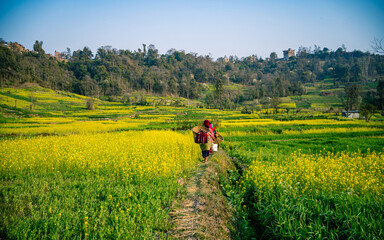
(377, 45)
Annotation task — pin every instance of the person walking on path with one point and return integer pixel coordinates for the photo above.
(211, 128)
(206, 147)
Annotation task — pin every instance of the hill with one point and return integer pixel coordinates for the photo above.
(321, 80)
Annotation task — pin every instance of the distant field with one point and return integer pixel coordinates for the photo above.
(317, 102)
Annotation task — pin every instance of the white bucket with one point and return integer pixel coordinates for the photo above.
(214, 147)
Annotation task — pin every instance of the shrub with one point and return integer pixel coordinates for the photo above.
(90, 105)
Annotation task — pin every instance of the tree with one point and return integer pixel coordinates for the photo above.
(303, 51)
(90, 104)
(147, 80)
(86, 53)
(255, 92)
(145, 49)
(66, 54)
(38, 48)
(317, 49)
(245, 110)
(8, 64)
(194, 89)
(306, 76)
(101, 53)
(356, 73)
(172, 85)
(152, 56)
(299, 89)
(344, 47)
(101, 73)
(288, 109)
(265, 105)
(353, 97)
(219, 84)
(82, 55)
(380, 94)
(377, 45)
(275, 102)
(273, 56)
(368, 110)
(341, 73)
(89, 87)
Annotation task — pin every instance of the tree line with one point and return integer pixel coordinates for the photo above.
(113, 72)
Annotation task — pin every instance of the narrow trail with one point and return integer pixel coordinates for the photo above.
(204, 213)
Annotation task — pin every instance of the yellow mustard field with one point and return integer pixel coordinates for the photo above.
(117, 185)
(342, 172)
(70, 127)
(129, 154)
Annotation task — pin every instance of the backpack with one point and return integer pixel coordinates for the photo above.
(201, 137)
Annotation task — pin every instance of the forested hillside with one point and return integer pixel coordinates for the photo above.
(355, 77)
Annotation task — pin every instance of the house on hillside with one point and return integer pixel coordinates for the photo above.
(288, 53)
(59, 56)
(15, 46)
(351, 114)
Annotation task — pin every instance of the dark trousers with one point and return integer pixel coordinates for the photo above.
(205, 153)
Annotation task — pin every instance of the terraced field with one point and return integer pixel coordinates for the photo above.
(114, 172)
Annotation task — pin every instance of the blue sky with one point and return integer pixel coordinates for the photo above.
(219, 28)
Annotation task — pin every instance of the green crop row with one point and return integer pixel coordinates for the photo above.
(324, 185)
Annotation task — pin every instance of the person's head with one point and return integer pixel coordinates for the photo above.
(206, 123)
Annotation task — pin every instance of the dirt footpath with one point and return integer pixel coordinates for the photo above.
(205, 212)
